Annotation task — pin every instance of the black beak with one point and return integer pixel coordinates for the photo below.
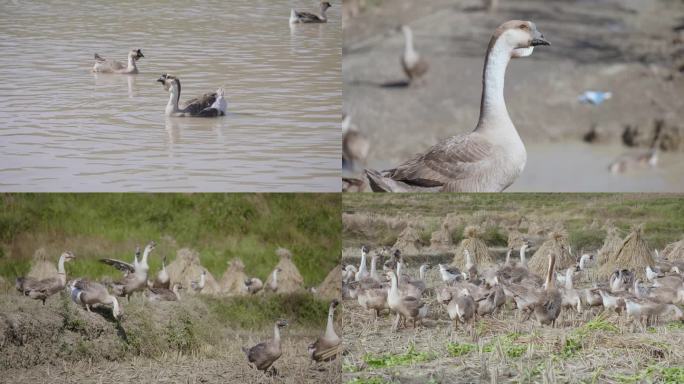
(538, 39)
(140, 54)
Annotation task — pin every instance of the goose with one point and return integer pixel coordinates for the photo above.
(416, 287)
(103, 65)
(263, 355)
(355, 146)
(470, 267)
(642, 310)
(327, 347)
(373, 299)
(670, 281)
(490, 303)
(653, 273)
(407, 307)
(164, 294)
(207, 105)
(198, 285)
(449, 274)
(488, 159)
(273, 284)
(254, 285)
(614, 300)
(91, 294)
(162, 280)
(348, 273)
(135, 276)
(372, 280)
(585, 261)
(306, 17)
(414, 66)
(461, 308)
(570, 296)
(42, 289)
(548, 308)
(362, 273)
(391, 264)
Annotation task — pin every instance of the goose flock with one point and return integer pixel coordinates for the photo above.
(470, 292)
(136, 278)
(212, 104)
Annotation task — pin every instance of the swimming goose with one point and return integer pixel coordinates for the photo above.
(548, 307)
(164, 294)
(103, 65)
(327, 347)
(207, 105)
(135, 276)
(488, 159)
(198, 285)
(306, 17)
(162, 280)
(414, 66)
(91, 294)
(263, 355)
(254, 285)
(42, 289)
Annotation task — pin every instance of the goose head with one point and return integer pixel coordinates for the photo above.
(281, 323)
(334, 303)
(167, 80)
(136, 54)
(68, 256)
(325, 5)
(520, 37)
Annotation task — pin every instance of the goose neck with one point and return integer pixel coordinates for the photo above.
(373, 270)
(276, 334)
(329, 329)
(275, 276)
(493, 112)
(549, 275)
(508, 256)
(523, 249)
(60, 270)
(174, 98)
(408, 39)
(116, 310)
(131, 62)
(421, 272)
(568, 279)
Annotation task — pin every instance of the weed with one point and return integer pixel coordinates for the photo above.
(368, 380)
(460, 349)
(411, 356)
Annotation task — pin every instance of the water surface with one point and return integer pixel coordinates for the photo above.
(63, 128)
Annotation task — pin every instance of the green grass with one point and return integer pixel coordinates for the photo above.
(368, 380)
(411, 356)
(654, 373)
(218, 226)
(508, 345)
(661, 215)
(460, 349)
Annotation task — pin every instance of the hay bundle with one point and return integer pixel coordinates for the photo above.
(187, 268)
(515, 239)
(408, 241)
(441, 239)
(633, 254)
(556, 243)
(611, 244)
(289, 278)
(674, 251)
(41, 266)
(331, 287)
(233, 280)
(476, 247)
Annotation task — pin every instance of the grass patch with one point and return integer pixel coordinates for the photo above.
(367, 380)
(411, 356)
(259, 311)
(219, 226)
(460, 349)
(508, 346)
(668, 375)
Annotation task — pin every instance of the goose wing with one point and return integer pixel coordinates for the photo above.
(164, 294)
(307, 16)
(196, 105)
(120, 265)
(45, 285)
(450, 164)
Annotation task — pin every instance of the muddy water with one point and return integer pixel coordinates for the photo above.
(579, 167)
(63, 128)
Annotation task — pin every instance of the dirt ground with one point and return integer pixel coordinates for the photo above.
(632, 48)
(154, 343)
(586, 347)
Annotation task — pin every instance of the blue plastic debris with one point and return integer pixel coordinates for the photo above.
(594, 97)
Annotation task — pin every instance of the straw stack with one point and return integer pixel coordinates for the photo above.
(557, 243)
(476, 247)
(408, 241)
(233, 280)
(289, 278)
(633, 254)
(187, 268)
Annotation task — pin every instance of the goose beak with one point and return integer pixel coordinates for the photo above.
(538, 39)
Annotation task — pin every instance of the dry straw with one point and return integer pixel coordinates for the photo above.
(331, 287)
(476, 247)
(674, 251)
(557, 243)
(187, 268)
(441, 238)
(633, 254)
(41, 265)
(289, 278)
(611, 244)
(233, 280)
(408, 241)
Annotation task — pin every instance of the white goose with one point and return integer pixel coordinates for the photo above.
(103, 65)
(488, 159)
